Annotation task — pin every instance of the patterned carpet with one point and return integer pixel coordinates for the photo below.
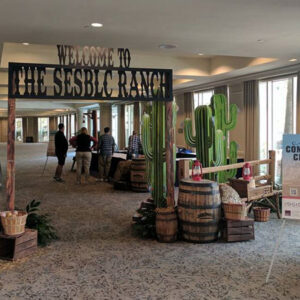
(97, 257)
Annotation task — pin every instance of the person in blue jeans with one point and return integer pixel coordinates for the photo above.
(134, 146)
(107, 148)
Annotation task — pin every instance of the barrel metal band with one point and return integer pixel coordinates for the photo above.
(202, 234)
(166, 213)
(165, 220)
(191, 206)
(207, 193)
(197, 224)
(209, 184)
(164, 235)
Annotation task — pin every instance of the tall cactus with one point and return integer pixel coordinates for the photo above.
(225, 121)
(211, 137)
(153, 146)
(153, 140)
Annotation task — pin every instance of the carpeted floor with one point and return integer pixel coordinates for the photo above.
(97, 257)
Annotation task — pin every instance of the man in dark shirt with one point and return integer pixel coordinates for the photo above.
(61, 149)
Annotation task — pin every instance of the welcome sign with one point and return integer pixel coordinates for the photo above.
(291, 176)
(90, 73)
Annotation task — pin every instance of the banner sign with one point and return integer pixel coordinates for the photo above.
(36, 81)
(291, 176)
(98, 57)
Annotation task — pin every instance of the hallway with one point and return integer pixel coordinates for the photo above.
(97, 257)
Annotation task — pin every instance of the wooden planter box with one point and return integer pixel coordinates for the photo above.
(13, 248)
(237, 231)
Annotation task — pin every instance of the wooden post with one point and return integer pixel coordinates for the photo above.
(169, 154)
(136, 117)
(10, 169)
(272, 157)
(67, 127)
(95, 129)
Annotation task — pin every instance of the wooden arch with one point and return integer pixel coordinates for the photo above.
(27, 81)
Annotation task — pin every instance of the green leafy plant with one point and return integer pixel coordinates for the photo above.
(40, 222)
(145, 227)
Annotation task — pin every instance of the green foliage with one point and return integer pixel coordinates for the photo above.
(40, 222)
(145, 227)
(153, 133)
(210, 141)
(225, 121)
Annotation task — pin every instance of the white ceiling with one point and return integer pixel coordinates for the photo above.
(226, 31)
(214, 27)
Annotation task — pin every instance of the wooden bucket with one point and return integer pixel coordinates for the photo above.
(261, 214)
(166, 225)
(15, 224)
(199, 210)
(138, 175)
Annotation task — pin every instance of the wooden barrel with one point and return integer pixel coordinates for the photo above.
(138, 175)
(199, 210)
(166, 225)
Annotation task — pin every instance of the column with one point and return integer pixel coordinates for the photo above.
(105, 116)
(79, 118)
(52, 123)
(121, 126)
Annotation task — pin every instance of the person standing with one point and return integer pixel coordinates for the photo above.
(134, 145)
(106, 147)
(61, 149)
(82, 142)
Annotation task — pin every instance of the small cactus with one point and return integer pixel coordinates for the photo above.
(210, 141)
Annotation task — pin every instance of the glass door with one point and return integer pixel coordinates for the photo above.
(19, 130)
(43, 130)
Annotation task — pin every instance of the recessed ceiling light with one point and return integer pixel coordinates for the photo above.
(200, 54)
(260, 40)
(96, 25)
(166, 46)
(25, 44)
(293, 59)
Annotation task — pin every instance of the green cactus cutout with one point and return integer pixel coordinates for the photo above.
(210, 141)
(225, 121)
(207, 141)
(153, 141)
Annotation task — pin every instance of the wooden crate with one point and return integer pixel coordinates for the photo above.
(245, 191)
(236, 231)
(15, 247)
(259, 192)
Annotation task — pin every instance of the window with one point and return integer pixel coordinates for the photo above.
(115, 123)
(65, 121)
(90, 123)
(19, 130)
(277, 110)
(98, 121)
(202, 98)
(128, 122)
(43, 130)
